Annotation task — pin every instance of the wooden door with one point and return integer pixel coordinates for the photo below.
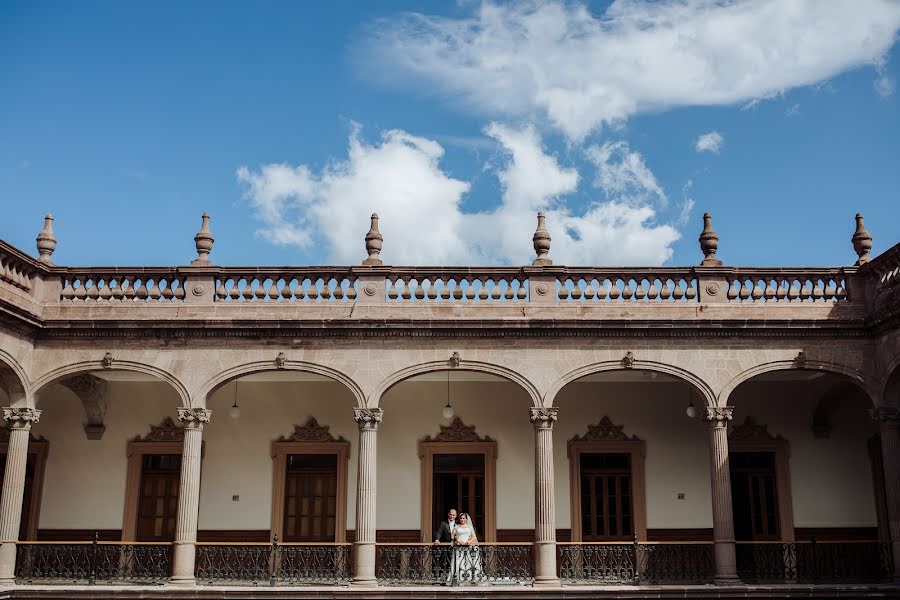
(310, 498)
(607, 508)
(158, 501)
(754, 496)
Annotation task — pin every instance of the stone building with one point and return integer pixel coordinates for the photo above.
(301, 431)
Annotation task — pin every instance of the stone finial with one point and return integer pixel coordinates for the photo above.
(709, 243)
(374, 243)
(541, 240)
(862, 241)
(204, 242)
(46, 241)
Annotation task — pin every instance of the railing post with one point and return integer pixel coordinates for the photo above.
(712, 285)
(199, 284)
(20, 421)
(544, 510)
(637, 561)
(188, 495)
(371, 285)
(273, 562)
(93, 577)
(542, 285)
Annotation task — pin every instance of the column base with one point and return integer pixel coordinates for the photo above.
(364, 583)
(727, 580)
(547, 582)
(183, 581)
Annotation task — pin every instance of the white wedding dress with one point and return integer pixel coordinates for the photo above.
(466, 565)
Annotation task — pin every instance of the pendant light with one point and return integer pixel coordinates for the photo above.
(691, 410)
(447, 412)
(235, 411)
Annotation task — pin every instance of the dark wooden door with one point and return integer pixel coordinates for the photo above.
(606, 497)
(754, 496)
(158, 502)
(458, 483)
(310, 498)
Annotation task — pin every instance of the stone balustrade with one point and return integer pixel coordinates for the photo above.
(289, 284)
(17, 269)
(787, 285)
(411, 285)
(111, 284)
(651, 284)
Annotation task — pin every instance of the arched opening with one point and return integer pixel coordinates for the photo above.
(629, 461)
(290, 433)
(114, 461)
(476, 456)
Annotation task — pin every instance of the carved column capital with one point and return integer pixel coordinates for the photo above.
(367, 418)
(194, 418)
(21, 418)
(544, 418)
(886, 414)
(718, 416)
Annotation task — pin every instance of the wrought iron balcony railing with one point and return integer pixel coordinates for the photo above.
(814, 562)
(93, 562)
(272, 564)
(439, 564)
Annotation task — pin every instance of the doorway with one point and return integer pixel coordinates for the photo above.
(310, 498)
(458, 482)
(158, 502)
(754, 496)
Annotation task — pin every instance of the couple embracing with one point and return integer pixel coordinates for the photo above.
(462, 561)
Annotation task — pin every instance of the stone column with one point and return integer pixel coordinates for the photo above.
(717, 419)
(888, 419)
(544, 509)
(188, 495)
(19, 422)
(364, 546)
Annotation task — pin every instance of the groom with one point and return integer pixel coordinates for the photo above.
(442, 554)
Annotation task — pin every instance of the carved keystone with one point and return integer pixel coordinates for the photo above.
(280, 360)
(628, 360)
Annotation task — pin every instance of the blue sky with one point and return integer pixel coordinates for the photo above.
(291, 122)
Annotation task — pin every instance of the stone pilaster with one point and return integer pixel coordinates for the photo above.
(19, 421)
(364, 565)
(888, 419)
(544, 508)
(717, 419)
(188, 495)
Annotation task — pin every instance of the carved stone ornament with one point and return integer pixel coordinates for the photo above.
(800, 360)
(167, 431)
(886, 414)
(194, 418)
(605, 431)
(374, 243)
(718, 416)
(107, 361)
(21, 418)
(544, 418)
(457, 431)
(203, 241)
(280, 360)
(751, 431)
(709, 243)
(862, 241)
(46, 241)
(541, 242)
(628, 360)
(367, 418)
(311, 432)
(454, 360)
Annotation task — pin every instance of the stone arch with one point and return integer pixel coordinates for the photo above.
(699, 384)
(235, 372)
(14, 380)
(789, 365)
(464, 365)
(118, 365)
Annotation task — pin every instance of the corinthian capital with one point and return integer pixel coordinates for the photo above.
(21, 418)
(886, 414)
(544, 418)
(194, 418)
(367, 418)
(718, 416)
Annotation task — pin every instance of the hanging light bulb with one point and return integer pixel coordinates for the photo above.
(235, 411)
(447, 412)
(691, 410)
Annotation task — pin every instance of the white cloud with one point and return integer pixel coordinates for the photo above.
(558, 61)
(709, 142)
(420, 205)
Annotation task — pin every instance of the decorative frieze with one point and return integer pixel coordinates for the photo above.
(311, 432)
(457, 431)
(605, 431)
(367, 418)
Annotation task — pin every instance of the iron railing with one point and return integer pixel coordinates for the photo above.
(272, 564)
(93, 562)
(445, 564)
(598, 562)
(814, 562)
(676, 562)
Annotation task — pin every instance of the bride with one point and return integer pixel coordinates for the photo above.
(466, 564)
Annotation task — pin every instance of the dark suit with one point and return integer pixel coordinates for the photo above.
(442, 556)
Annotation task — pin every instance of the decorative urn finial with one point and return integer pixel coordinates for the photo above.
(709, 243)
(374, 242)
(204, 242)
(46, 241)
(862, 241)
(541, 240)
